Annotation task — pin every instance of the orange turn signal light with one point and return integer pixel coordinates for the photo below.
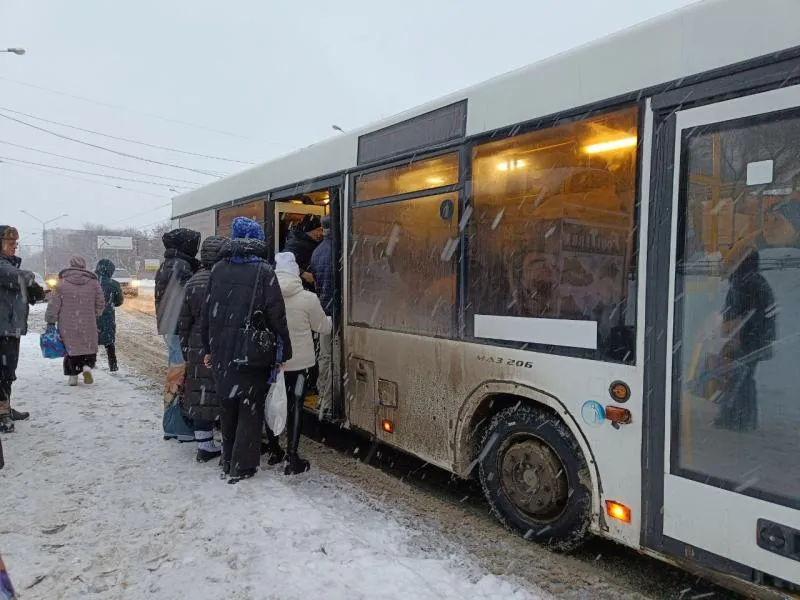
(387, 426)
(619, 415)
(618, 511)
(619, 391)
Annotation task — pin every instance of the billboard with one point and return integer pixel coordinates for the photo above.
(152, 264)
(114, 242)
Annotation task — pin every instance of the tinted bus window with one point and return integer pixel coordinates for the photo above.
(225, 216)
(419, 175)
(554, 232)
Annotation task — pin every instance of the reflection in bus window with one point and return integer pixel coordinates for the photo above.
(403, 266)
(426, 174)
(554, 228)
(737, 309)
(225, 216)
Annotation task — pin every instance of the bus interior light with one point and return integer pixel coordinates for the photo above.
(618, 511)
(610, 146)
(510, 165)
(387, 426)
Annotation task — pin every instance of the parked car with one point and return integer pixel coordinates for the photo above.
(128, 283)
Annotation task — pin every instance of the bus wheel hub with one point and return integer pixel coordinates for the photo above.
(533, 478)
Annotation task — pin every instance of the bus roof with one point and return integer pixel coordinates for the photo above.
(701, 37)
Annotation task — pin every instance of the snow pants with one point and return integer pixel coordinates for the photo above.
(243, 394)
(9, 357)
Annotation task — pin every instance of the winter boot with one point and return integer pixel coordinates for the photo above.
(72, 380)
(274, 452)
(113, 366)
(296, 465)
(87, 375)
(18, 415)
(6, 424)
(242, 474)
(206, 448)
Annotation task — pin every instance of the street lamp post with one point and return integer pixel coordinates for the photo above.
(44, 234)
(17, 51)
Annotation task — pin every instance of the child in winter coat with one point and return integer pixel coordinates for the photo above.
(304, 315)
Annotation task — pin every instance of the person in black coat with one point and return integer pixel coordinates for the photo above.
(199, 401)
(107, 322)
(301, 241)
(241, 285)
(178, 266)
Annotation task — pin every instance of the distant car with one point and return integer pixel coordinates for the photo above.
(40, 280)
(128, 283)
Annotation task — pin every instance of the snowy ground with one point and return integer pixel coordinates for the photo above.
(101, 507)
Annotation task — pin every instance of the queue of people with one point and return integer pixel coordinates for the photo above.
(205, 309)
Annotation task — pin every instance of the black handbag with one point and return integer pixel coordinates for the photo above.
(255, 346)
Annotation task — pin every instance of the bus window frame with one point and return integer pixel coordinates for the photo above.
(457, 188)
(566, 117)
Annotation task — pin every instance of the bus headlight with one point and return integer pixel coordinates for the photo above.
(51, 283)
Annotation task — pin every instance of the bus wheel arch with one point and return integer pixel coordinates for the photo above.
(499, 414)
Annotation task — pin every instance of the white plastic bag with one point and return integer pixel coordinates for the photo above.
(275, 409)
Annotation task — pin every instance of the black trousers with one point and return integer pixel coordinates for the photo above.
(111, 352)
(73, 365)
(243, 395)
(296, 383)
(9, 357)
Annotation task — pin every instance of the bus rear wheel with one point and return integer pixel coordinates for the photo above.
(535, 477)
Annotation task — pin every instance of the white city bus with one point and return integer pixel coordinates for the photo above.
(535, 275)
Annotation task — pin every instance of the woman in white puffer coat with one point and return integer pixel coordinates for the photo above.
(304, 315)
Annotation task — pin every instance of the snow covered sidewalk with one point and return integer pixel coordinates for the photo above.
(97, 505)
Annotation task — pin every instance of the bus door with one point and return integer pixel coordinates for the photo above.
(287, 215)
(730, 177)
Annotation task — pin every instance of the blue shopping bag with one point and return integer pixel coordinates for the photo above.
(51, 343)
(176, 426)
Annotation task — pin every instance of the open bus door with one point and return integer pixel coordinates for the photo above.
(289, 208)
(722, 485)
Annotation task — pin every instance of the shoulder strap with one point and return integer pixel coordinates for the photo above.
(255, 290)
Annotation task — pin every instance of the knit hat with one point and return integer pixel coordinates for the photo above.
(7, 232)
(77, 262)
(247, 228)
(286, 263)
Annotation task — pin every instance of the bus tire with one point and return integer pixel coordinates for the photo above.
(535, 477)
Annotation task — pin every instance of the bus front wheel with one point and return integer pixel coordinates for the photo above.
(535, 477)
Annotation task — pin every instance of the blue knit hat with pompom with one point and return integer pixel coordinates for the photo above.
(247, 228)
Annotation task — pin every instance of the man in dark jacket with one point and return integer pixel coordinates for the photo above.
(178, 266)
(242, 287)
(18, 289)
(302, 241)
(107, 322)
(321, 268)
(200, 402)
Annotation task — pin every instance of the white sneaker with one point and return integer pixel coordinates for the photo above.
(73, 380)
(87, 375)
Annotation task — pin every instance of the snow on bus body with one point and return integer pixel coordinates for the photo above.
(690, 41)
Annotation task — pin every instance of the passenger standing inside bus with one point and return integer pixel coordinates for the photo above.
(242, 288)
(304, 315)
(321, 268)
(749, 328)
(302, 241)
(107, 322)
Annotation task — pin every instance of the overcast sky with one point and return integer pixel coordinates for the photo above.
(243, 79)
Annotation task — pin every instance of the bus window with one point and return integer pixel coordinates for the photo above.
(415, 176)
(554, 230)
(403, 265)
(737, 308)
(225, 216)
